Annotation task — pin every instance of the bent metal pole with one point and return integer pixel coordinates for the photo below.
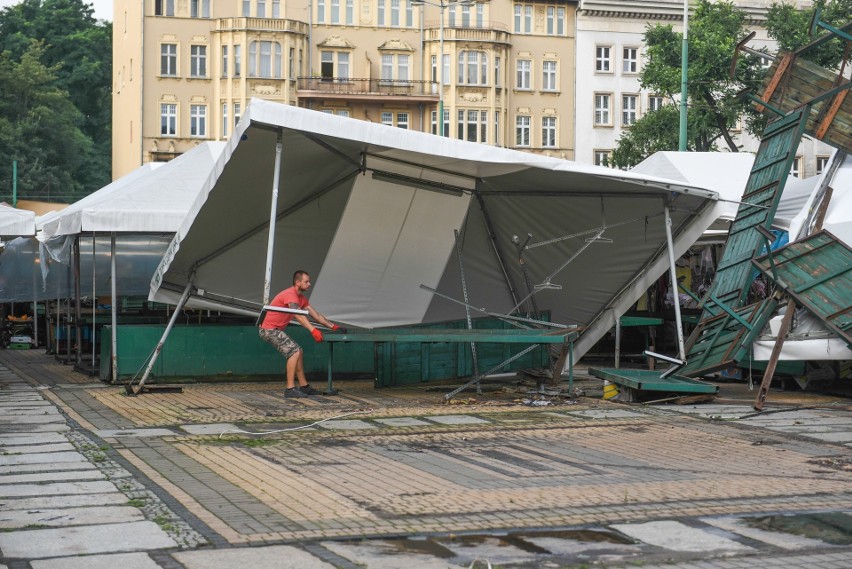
(113, 309)
(159, 348)
(681, 350)
(273, 210)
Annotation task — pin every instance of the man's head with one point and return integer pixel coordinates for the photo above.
(301, 280)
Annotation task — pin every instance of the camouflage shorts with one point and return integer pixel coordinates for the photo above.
(282, 342)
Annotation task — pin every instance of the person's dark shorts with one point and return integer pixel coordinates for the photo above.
(282, 342)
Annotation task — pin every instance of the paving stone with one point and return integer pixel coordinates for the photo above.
(378, 554)
(844, 437)
(29, 449)
(347, 424)
(211, 429)
(135, 433)
(604, 414)
(40, 419)
(269, 557)
(402, 422)
(42, 457)
(676, 536)
(31, 439)
(83, 540)
(58, 467)
(62, 476)
(60, 488)
(22, 428)
(109, 561)
(69, 516)
(64, 501)
(457, 420)
(775, 538)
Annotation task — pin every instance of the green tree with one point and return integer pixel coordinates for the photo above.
(77, 51)
(714, 109)
(791, 28)
(39, 127)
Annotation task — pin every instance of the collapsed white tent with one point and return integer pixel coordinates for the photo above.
(809, 339)
(371, 212)
(726, 173)
(16, 222)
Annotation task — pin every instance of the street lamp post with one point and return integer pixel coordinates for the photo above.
(442, 5)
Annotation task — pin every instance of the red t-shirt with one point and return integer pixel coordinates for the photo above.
(279, 320)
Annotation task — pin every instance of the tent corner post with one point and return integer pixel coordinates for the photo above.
(273, 210)
(675, 295)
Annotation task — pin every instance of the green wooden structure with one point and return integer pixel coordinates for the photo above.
(817, 273)
(648, 380)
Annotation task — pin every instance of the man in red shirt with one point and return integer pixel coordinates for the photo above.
(274, 323)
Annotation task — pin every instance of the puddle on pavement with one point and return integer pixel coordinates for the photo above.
(833, 527)
(427, 546)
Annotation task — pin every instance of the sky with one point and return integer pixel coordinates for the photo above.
(103, 8)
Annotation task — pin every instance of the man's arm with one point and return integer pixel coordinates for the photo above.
(319, 318)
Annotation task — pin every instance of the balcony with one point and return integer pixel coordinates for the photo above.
(345, 88)
(488, 32)
(261, 25)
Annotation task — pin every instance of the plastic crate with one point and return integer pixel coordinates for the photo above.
(20, 346)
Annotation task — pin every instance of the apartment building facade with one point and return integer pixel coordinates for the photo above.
(184, 70)
(610, 52)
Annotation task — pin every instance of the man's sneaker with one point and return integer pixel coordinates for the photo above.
(308, 390)
(294, 392)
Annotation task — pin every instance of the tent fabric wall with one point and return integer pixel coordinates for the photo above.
(16, 222)
(370, 243)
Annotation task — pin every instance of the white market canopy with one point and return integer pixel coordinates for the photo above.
(16, 222)
(370, 211)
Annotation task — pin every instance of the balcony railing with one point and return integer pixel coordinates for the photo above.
(484, 25)
(261, 24)
(487, 35)
(346, 86)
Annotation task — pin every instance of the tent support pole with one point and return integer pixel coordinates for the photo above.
(159, 348)
(273, 210)
(467, 311)
(681, 349)
(113, 308)
(78, 331)
(493, 237)
(94, 300)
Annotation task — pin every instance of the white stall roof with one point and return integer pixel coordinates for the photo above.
(370, 211)
(16, 222)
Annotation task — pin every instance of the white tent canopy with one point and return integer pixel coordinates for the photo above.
(370, 211)
(727, 174)
(16, 222)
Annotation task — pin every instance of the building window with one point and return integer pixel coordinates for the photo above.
(265, 59)
(238, 60)
(261, 8)
(548, 132)
(276, 8)
(465, 11)
(497, 128)
(402, 120)
(291, 63)
(497, 72)
(409, 14)
(168, 119)
(548, 76)
(555, 21)
(225, 123)
(224, 61)
(480, 14)
(327, 65)
(821, 163)
(238, 113)
(350, 12)
(629, 109)
(655, 103)
(602, 157)
(524, 74)
(387, 118)
(446, 77)
(402, 67)
(602, 59)
(603, 104)
(198, 61)
(335, 11)
(168, 60)
(246, 8)
(394, 13)
(446, 122)
(198, 121)
(523, 18)
(164, 7)
(473, 68)
(630, 60)
(199, 8)
(320, 11)
(380, 13)
(522, 130)
(796, 169)
(472, 125)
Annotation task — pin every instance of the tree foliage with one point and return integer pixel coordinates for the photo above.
(791, 28)
(55, 99)
(713, 108)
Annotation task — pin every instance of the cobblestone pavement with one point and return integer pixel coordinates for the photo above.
(176, 480)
